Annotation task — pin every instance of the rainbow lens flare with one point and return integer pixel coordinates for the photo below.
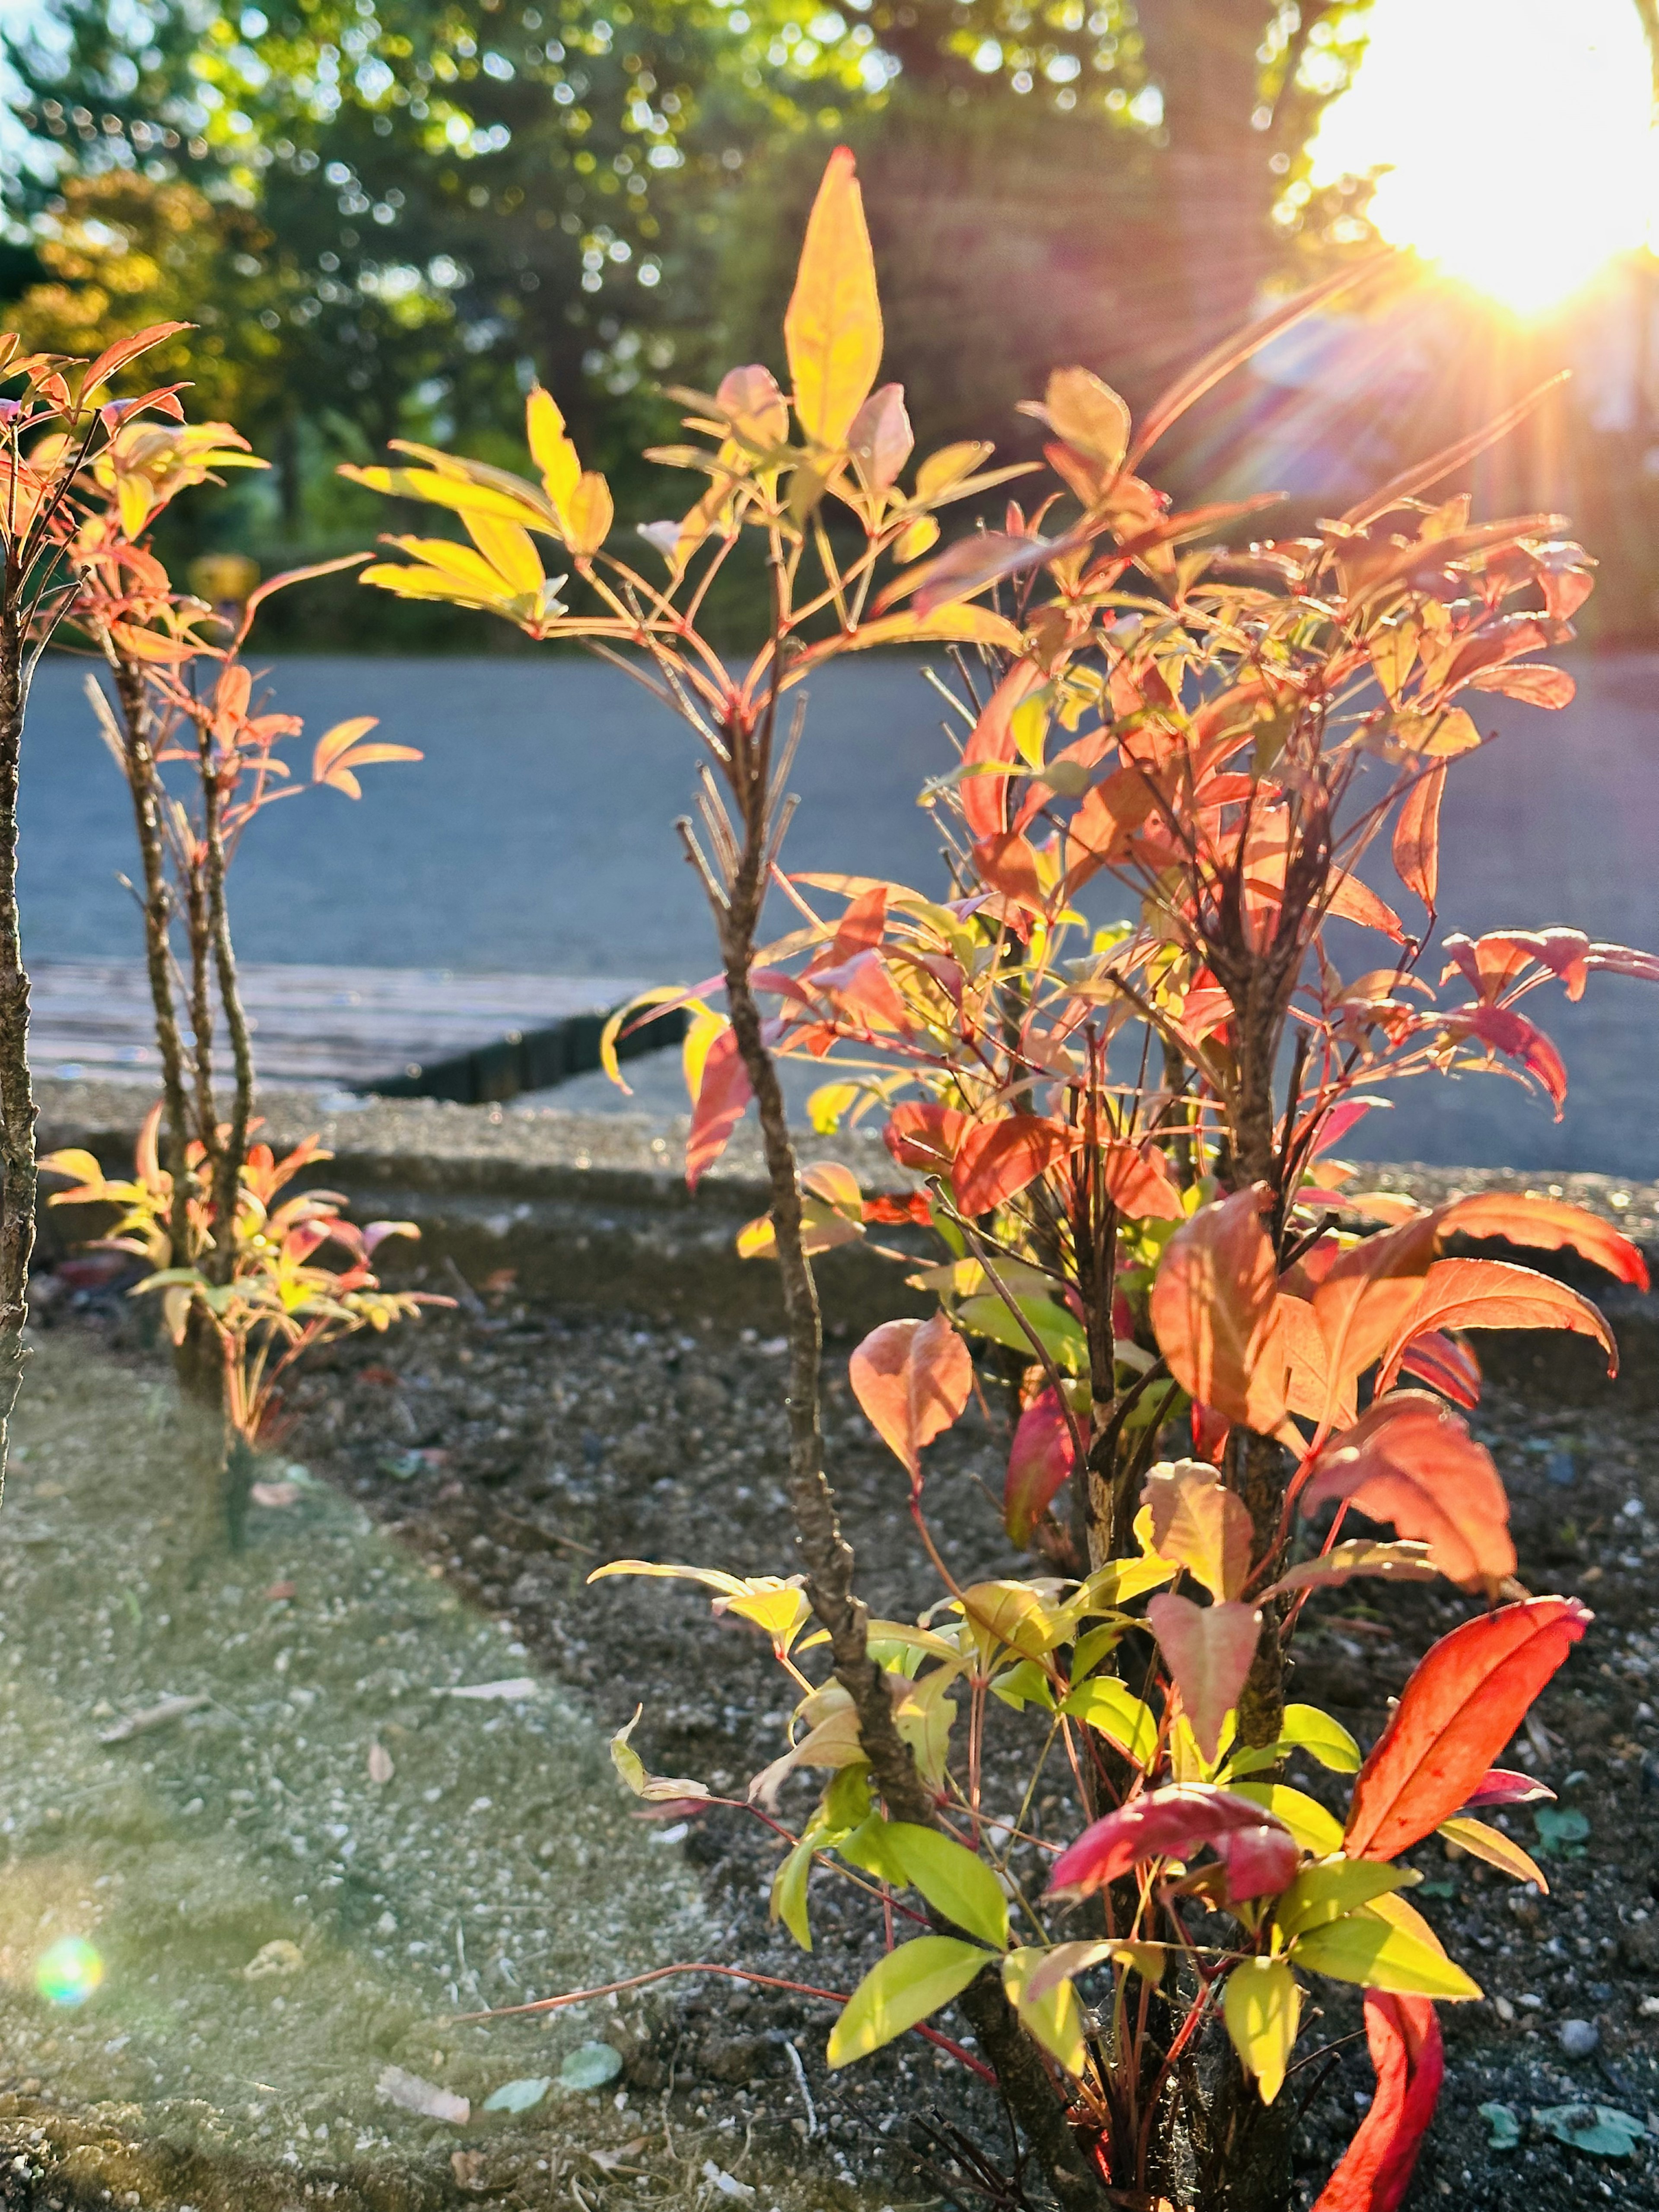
(69, 1972)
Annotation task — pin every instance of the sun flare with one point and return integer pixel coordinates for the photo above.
(1518, 137)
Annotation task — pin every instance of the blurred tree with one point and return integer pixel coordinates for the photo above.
(402, 210)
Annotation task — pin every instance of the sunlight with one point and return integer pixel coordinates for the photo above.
(1517, 135)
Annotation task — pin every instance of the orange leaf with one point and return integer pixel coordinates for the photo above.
(1493, 1294)
(1199, 1525)
(985, 797)
(1417, 836)
(1537, 683)
(337, 741)
(116, 357)
(832, 331)
(1469, 1695)
(1208, 1650)
(1545, 1225)
(1215, 1314)
(1008, 863)
(997, 1160)
(1411, 1461)
(912, 1378)
(1138, 1182)
(923, 1134)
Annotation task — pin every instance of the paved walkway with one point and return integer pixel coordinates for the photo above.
(537, 837)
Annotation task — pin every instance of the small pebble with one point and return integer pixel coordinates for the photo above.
(1578, 2038)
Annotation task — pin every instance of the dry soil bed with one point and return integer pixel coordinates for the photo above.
(515, 1448)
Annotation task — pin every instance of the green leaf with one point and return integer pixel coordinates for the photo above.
(590, 2066)
(1334, 1889)
(1056, 1329)
(1093, 1645)
(955, 1881)
(1505, 2128)
(1304, 1728)
(1262, 2009)
(1559, 1828)
(520, 2096)
(1055, 2017)
(900, 1989)
(1024, 1684)
(1599, 2128)
(1314, 1828)
(788, 1899)
(1361, 1949)
(1113, 1709)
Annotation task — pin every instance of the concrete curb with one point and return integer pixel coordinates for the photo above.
(591, 1210)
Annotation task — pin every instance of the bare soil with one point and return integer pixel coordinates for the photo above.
(513, 1449)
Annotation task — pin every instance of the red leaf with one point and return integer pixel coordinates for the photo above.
(1410, 1461)
(923, 1134)
(1101, 832)
(1493, 1294)
(1502, 1786)
(722, 1097)
(893, 1207)
(1038, 1464)
(1211, 1431)
(1417, 836)
(1215, 1315)
(1208, 1650)
(1545, 1225)
(997, 1160)
(1500, 1029)
(1257, 1850)
(912, 1378)
(1376, 2171)
(1469, 1695)
(1450, 1367)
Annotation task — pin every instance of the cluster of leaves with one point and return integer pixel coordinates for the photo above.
(281, 1297)
(1121, 1132)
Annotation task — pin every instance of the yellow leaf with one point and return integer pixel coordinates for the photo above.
(968, 625)
(913, 540)
(1333, 1889)
(509, 549)
(1089, 415)
(1481, 1842)
(832, 331)
(1314, 1828)
(551, 450)
(1262, 2008)
(132, 494)
(1363, 1949)
(1438, 737)
(588, 516)
(1054, 2016)
(949, 465)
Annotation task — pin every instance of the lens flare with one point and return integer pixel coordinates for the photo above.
(1516, 138)
(69, 1972)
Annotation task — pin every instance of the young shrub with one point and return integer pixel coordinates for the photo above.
(184, 694)
(277, 1298)
(1121, 1134)
(56, 420)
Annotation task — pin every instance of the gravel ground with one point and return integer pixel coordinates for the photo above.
(511, 1449)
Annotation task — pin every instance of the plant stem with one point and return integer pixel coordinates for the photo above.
(17, 1108)
(228, 1167)
(144, 781)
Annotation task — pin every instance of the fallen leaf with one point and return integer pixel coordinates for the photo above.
(275, 1958)
(590, 2066)
(381, 1767)
(467, 2166)
(519, 2096)
(414, 2095)
(273, 1494)
(279, 1591)
(515, 1689)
